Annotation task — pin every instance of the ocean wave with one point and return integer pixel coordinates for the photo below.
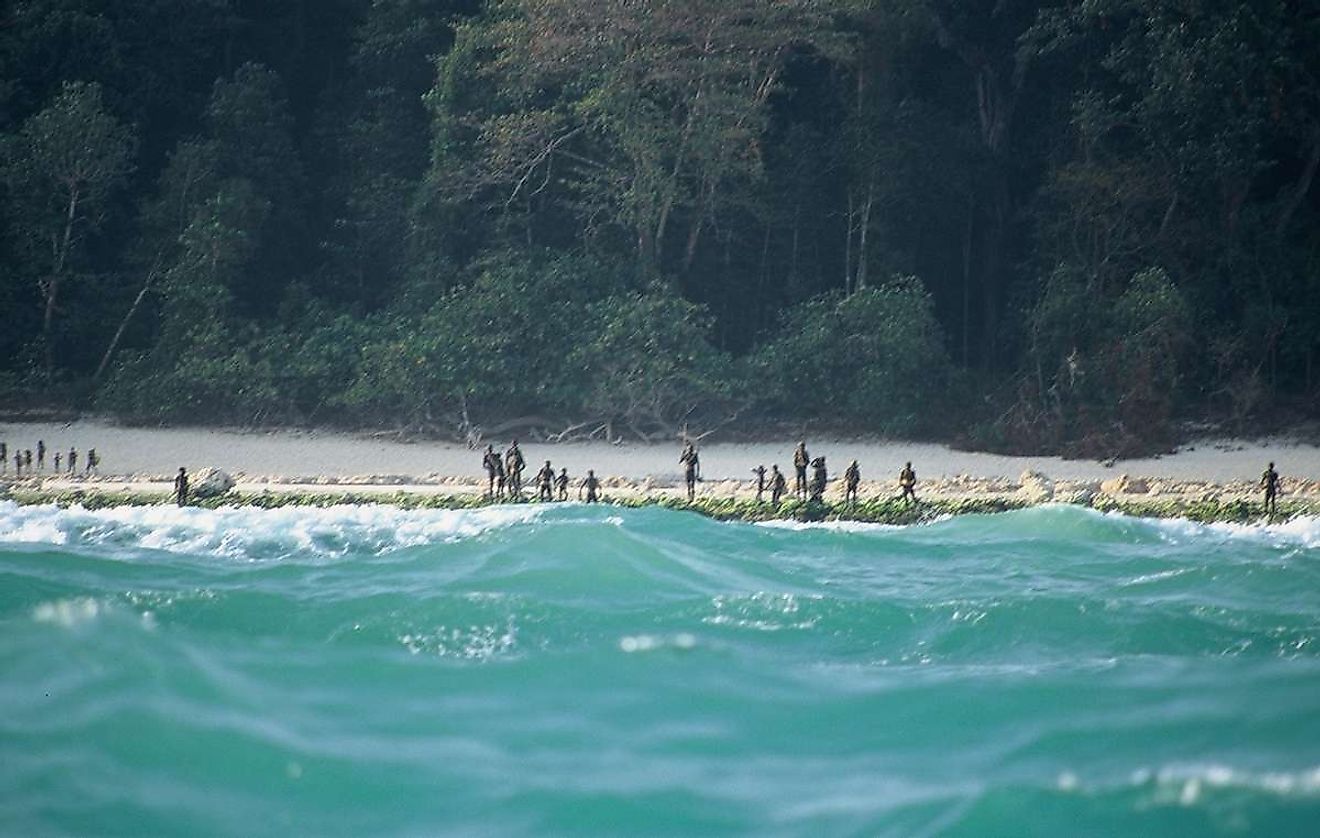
(1067, 521)
(254, 533)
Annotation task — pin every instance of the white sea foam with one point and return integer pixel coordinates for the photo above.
(828, 526)
(475, 643)
(632, 644)
(1158, 576)
(68, 612)
(250, 532)
(1188, 784)
(1302, 531)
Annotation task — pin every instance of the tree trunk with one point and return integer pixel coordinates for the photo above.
(847, 248)
(1301, 187)
(760, 280)
(53, 286)
(704, 208)
(793, 257)
(967, 277)
(992, 266)
(861, 237)
(123, 324)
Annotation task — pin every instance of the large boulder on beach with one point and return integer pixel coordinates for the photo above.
(210, 483)
(1036, 487)
(1125, 485)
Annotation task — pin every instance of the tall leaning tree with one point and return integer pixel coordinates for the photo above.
(60, 172)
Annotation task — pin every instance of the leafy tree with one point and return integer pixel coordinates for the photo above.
(61, 172)
(875, 358)
(642, 116)
(648, 365)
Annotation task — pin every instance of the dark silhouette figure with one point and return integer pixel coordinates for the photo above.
(800, 461)
(778, 485)
(181, 487)
(18, 463)
(513, 469)
(27, 461)
(92, 461)
(58, 457)
(73, 460)
(4, 458)
(561, 483)
(907, 481)
(41, 454)
(759, 471)
(1269, 481)
(494, 467)
(851, 477)
(819, 478)
(691, 469)
(591, 485)
(545, 479)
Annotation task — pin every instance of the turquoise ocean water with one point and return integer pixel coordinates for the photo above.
(573, 670)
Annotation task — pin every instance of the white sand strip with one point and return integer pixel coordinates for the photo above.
(313, 456)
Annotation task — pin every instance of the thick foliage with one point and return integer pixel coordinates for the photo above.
(460, 213)
(875, 360)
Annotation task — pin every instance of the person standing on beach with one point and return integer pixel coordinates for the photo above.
(490, 461)
(691, 467)
(513, 469)
(41, 455)
(778, 485)
(57, 462)
(800, 461)
(759, 471)
(181, 487)
(907, 481)
(851, 477)
(591, 484)
(545, 479)
(819, 479)
(18, 463)
(92, 461)
(561, 483)
(27, 461)
(1269, 481)
(4, 458)
(73, 460)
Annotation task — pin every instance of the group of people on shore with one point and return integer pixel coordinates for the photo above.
(24, 463)
(814, 489)
(504, 475)
(504, 478)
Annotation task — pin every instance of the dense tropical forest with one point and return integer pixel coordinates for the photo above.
(1070, 226)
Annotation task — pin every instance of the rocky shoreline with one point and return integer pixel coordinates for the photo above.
(723, 500)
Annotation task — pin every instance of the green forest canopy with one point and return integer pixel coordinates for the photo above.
(1035, 225)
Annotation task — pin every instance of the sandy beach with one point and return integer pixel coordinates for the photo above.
(142, 458)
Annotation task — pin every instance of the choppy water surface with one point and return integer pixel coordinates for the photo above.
(523, 670)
